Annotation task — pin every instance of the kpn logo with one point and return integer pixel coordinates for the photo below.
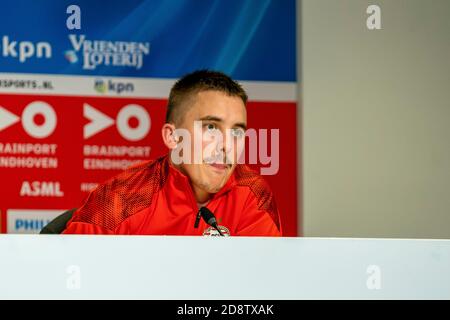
(102, 86)
(24, 50)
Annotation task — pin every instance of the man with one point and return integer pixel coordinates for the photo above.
(163, 197)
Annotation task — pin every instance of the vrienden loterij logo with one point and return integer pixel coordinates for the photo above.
(96, 53)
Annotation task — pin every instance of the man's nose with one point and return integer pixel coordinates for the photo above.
(225, 145)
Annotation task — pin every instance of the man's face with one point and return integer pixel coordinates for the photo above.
(221, 135)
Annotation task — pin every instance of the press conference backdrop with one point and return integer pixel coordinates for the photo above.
(78, 106)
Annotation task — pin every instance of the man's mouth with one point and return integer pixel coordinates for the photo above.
(217, 163)
(219, 166)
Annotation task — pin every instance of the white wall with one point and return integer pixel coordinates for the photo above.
(376, 119)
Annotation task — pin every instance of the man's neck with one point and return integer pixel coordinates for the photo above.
(200, 195)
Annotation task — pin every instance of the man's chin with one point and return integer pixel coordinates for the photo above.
(217, 176)
(215, 185)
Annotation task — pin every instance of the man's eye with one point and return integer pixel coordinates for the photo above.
(238, 132)
(211, 127)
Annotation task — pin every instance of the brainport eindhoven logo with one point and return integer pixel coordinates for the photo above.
(94, 53)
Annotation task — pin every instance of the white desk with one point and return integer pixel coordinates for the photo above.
(148, 267)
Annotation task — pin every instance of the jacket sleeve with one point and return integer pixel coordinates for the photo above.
(85, 228)
(260, 217)
(92, 217)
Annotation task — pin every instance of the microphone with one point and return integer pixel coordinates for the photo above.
(209, 218)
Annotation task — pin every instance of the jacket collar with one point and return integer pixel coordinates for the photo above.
(184, 181)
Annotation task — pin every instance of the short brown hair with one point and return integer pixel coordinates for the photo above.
(197, 81)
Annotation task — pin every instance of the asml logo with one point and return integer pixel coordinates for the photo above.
(29, 221)
(24, 50)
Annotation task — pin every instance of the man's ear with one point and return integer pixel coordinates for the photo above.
(169, 136)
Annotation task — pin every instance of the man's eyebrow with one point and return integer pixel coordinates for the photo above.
(211, 118)
(241, 125)
(217, 119)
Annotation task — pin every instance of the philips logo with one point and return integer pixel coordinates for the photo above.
(30, 225)
(24, 50)
(29, 221)
(111, 86)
